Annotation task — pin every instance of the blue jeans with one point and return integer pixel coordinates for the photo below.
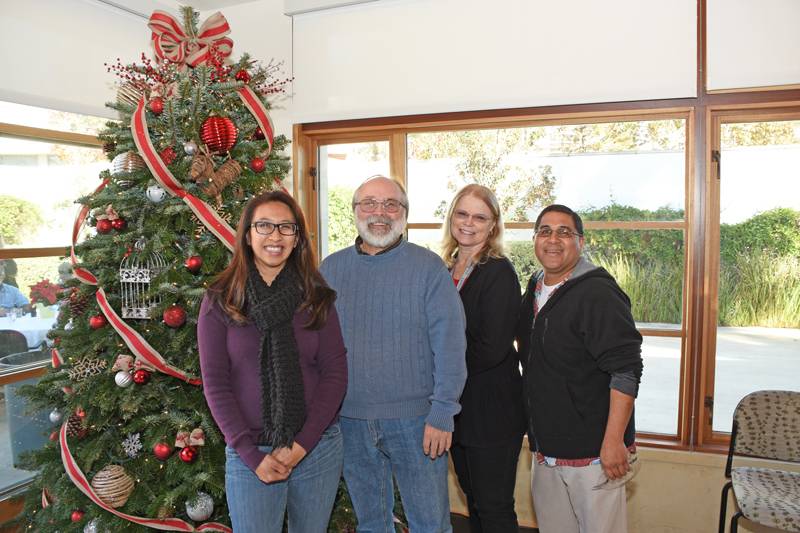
(308, 493)
(374, 450)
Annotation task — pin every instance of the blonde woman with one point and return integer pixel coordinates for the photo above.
(488, 431)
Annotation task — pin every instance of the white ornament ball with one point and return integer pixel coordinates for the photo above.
(69, 325)
(91, 527)
(123, 378)
(201, 507)
(190, 147)
(56, 416)
(155, 194)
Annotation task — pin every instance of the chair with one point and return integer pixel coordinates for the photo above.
(12, 341)
(766, 425)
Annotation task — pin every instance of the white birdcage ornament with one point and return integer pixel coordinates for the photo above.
(136, 272)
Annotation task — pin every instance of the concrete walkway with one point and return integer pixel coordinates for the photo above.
(748, 359)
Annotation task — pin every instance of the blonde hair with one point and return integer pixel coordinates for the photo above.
(494, 243)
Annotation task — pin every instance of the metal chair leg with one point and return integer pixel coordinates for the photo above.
(735, 522)
(723, 506)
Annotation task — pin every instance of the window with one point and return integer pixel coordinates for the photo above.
(48, 159)
(627, 178)
(757, 262)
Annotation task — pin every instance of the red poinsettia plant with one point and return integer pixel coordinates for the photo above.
(45, 292)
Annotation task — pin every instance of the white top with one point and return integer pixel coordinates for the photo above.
(545, 293)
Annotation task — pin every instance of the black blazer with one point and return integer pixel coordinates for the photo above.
(492, 411)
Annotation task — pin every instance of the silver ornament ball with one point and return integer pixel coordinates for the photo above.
(91, 527)
(56, 416)
(123, 378)
(126, 163)
(201, 507)
(190, 147)
(155, 194)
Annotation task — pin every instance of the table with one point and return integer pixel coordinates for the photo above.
(35, 329)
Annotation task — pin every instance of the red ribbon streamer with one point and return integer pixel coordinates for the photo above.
(56, 358)
(164, 524)
(204, 212)
(137, 344)
(172, 43)
(253, 104)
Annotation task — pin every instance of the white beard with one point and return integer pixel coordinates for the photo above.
(380, 240)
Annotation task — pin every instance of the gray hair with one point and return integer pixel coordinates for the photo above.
(400, 187)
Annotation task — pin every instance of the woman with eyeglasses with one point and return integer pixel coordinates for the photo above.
(274, 373)
(488, 431)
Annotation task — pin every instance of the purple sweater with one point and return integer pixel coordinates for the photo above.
(229, 361)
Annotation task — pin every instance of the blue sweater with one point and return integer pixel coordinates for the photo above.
(403, 326)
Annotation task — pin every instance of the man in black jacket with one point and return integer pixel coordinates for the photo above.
(582, 365)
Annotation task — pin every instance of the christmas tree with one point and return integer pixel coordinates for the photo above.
(134, 445)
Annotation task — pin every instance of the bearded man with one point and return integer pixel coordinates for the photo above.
(404, 329)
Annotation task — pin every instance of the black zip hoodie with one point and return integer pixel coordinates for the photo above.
(584, 332)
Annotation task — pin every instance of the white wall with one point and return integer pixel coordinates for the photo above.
(399, 57)
(753, 43)
(52, 52)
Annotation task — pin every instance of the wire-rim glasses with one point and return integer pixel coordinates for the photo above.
(562, 232)
(370, 205)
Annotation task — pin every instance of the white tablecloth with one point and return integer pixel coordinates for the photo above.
(35, 329)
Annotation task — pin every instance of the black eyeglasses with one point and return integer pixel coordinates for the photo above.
(391, 205)
(266, 228)
(562, 232)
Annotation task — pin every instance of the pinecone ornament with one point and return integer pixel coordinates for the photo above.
(75, 427)
(78, 303)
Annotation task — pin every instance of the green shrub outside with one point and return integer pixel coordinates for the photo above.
(759, 271)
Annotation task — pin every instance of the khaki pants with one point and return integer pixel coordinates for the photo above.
(565, 501)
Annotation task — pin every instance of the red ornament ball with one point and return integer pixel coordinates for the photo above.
(175, 316)
(77, 515)
(104, 226)
(54, 436)
(162, 451)
(157, 105)
(243, 75)
(168, 155)
(219, 134)
(258, 134)
(193, 264)
(257, 164)
(97, 321)
(141, 376)
(188, 454)
(119, 224)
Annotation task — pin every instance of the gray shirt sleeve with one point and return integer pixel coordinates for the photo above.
(625, 382)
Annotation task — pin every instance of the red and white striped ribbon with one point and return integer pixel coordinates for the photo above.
(164, 524)
(207, 215)
(138, 345)
(55, 358)
(253, 104)
(82, 274)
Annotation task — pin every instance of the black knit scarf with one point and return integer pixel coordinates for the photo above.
(271, 308)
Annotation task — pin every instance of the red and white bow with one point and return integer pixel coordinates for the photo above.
(173, 43)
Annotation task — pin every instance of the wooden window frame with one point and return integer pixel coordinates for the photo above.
(310, 137)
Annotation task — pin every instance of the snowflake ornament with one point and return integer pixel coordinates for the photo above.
(132, 445)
